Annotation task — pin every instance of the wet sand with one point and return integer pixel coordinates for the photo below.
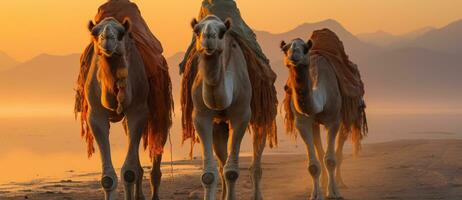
(405, 169)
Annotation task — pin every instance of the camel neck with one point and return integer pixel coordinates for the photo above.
(217, 86)
(301, 85)
(212, 68)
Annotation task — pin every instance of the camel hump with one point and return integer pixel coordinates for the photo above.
(327, 44)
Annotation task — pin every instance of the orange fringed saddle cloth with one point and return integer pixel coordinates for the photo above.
(327, 44)
(160, 100)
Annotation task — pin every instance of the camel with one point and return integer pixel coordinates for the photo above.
(221, 95)
(316, 99)
(117, 89)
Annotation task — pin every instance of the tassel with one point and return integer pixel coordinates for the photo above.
(122, 74)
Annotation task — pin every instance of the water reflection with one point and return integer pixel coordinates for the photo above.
(50, 148)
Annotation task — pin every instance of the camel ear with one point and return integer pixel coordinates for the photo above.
(90, 27)
(309, 44)
(282, 45)
(228, 23)
(127, 23)
(195, 26)
(194, 23)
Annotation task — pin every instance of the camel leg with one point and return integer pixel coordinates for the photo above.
(339, 153)
(220, 141)
(139, 195)
(239, 123)
(320, 152)
(331, 162)
(139, 184)
(203, 122)
(304, 127)
(256, 171)
(99, 125)
(156, 175)
(132, 172)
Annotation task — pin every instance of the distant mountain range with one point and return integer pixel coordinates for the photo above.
(43, 78)
(447, 39)
(384, 39)
(6, 62)
(422, 67)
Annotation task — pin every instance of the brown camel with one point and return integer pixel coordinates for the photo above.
(314, 98)
(117, 88)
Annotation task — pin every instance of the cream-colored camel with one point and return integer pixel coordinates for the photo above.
(221, 95)
(316, 99)
(117, 87)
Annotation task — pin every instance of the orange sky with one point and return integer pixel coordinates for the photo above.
(31, 27)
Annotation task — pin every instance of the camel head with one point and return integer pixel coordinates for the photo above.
(109, 43)
(296, 58)
(296, 52)
(108, 36)
(209, 34)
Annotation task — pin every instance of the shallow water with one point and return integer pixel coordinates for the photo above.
(50, 148)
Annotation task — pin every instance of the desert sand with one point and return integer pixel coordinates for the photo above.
(405, 169)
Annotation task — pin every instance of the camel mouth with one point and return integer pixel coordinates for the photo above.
(294, 60)
(209, 51)
(107, 53)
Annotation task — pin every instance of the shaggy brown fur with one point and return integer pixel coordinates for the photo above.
(108, 70)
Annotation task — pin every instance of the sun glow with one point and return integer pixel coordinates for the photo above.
(31, 27)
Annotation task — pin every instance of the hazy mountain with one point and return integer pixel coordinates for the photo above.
(447, 39)
(6, 61)
(45, 77)
(419, 32)
(385, 39)
(379, 38)
(412, 75)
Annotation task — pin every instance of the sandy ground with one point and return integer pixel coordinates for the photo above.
(406, 169)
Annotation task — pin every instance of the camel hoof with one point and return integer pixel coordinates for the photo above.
(317, 195)
(107, 182)
(232, 175)
(129, 176)
(208, 178)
